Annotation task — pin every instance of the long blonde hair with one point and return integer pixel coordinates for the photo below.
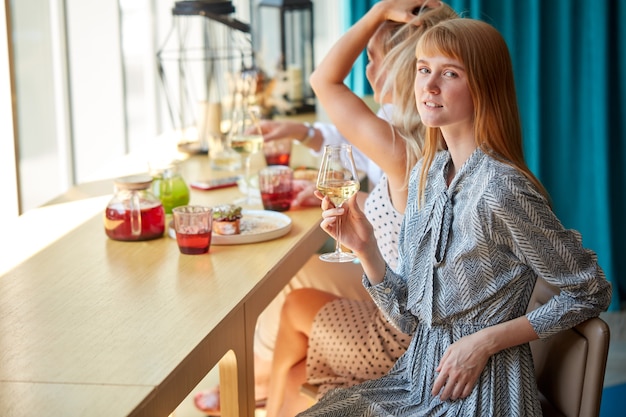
(399, 70)
(485, 55)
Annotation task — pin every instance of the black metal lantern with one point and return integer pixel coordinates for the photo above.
(285, 47)
(204, 47)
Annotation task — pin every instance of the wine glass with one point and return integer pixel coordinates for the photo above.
(338, 180)
(246, 139)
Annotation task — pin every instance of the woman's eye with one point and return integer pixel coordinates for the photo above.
(423, 70)
(450, 74)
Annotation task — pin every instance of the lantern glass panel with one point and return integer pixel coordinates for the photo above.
(198, 57)
(285, 47)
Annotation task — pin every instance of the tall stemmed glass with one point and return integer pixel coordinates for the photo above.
(338, 180)
(246, 138)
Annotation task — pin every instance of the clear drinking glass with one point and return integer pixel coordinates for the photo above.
(246, 139)
(338, 180)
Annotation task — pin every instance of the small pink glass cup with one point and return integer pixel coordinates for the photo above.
(193, 228)
(277, 152)
(275, 184)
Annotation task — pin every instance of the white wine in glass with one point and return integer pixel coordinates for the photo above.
(338, 180)
(246, 139)
(246, 145)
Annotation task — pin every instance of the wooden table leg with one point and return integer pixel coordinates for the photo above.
(229, 398)
(237, 378)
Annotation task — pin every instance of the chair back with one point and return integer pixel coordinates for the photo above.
(570, 365)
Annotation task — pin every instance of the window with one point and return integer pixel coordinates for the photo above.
(87, 93)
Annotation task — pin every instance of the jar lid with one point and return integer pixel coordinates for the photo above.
(133, 182)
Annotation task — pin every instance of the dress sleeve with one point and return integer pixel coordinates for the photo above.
(538, 239)
(391, 297)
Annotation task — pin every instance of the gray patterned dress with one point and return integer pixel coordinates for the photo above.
(469, 259)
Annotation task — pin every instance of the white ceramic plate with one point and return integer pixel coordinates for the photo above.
(256, 226)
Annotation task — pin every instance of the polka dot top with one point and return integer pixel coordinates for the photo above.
(386, 221)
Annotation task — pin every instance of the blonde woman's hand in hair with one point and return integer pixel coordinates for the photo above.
(403, 10)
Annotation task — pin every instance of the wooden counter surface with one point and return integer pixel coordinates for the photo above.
(92, 326)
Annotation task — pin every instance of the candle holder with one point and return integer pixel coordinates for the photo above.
(288, 53)
(202, 49)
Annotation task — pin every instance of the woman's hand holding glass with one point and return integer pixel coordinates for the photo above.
(355, 230)
(338, 180)
(283, 129)
(357, 234)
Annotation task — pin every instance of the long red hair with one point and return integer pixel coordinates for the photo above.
(485, 55)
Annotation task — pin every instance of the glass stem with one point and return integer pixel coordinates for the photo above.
(338, 240)
(248, 180)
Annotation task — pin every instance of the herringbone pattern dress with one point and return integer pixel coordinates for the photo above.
(469, 259)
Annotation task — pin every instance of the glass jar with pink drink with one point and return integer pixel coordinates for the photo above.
(134, 213)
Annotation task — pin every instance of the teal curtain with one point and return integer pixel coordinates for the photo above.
(570, 67)
(353, 10)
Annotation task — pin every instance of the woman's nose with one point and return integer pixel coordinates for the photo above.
(430, 85)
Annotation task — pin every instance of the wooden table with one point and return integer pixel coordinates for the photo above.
(92, 326)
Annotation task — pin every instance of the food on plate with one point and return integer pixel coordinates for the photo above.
(304, 173)
(227, 219)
